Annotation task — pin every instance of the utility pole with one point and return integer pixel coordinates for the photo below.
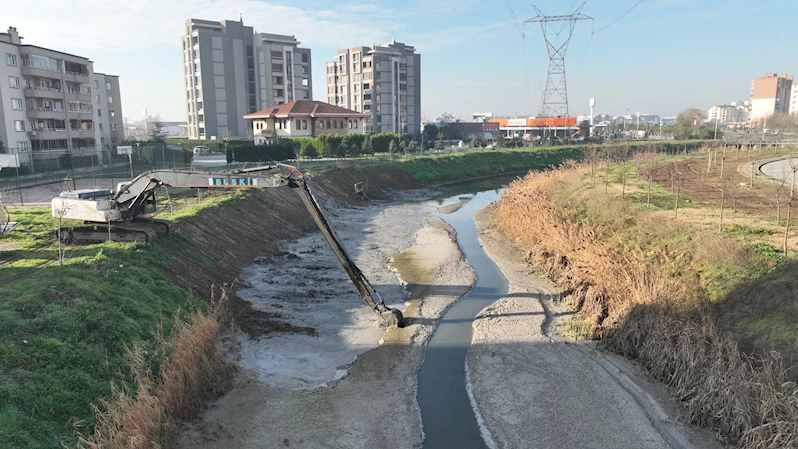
(555, 96)
(716, 129)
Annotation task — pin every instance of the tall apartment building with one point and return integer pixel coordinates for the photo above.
(54, 102)
(383, 82)
(726, 114)
(230, 72)
(284, 70)
(794, 99)
(769, 95)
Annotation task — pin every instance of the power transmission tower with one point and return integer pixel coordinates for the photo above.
(555, 96)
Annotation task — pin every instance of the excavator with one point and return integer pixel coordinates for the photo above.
(126, 214)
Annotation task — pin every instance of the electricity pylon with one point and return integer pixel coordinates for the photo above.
(555, 96)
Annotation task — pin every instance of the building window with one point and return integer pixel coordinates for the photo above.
(112, 113)
(99, 112)
(96, 84)
(16, 104)
(277, 67)
(101, 126)
(304, 82)
(110, 100)
(277, 54)
(19, 125)
(11, 59)
(22, 147)
(107, 85)
(13, 82)
(304, 57)
(98, 98)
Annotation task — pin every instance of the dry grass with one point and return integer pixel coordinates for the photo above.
(191, 372)
(638, 283)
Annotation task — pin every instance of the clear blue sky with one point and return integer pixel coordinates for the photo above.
(662, 57)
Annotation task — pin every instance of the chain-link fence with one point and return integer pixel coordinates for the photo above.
(87, 166)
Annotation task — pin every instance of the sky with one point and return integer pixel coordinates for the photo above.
(660, 58)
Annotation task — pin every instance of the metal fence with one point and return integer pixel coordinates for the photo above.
(102, 166)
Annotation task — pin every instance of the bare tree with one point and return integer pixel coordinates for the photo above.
(61, 233)
(722, 160)
(722, 204)
(592, 158)
(677, 177)
(793, 168)
(787, 224)
(709, 160)
(648, 173)
(778, 191)
(5, 215)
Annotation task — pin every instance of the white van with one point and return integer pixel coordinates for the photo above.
(201, 150)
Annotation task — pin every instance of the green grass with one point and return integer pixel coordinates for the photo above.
(753, 295)
(444, 167)
(64, 330)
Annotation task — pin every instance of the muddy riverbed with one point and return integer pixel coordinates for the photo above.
(350, 384)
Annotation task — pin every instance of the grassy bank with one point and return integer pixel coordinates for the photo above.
(646, 280)
(64, 330)
(445, 167)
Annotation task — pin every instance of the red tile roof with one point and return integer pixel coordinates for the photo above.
(304, 108)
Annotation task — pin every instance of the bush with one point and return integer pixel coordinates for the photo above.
(249, 152)
(308, 149)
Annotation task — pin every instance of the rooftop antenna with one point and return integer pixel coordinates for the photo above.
(555, 95)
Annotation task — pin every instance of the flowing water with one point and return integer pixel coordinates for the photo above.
(447, 415)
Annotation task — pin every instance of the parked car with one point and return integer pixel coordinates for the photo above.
(199, 150)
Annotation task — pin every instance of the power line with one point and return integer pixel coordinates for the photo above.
(512, 15)
(620, 17)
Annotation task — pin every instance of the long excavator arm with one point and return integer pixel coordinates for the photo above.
(130, 197)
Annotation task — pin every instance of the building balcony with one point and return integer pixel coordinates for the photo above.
(76, 73)
(45, 113)
(43, 92)
(82, 132)
(78, 96)
(39, 72)
(48, 133)
(81, 112)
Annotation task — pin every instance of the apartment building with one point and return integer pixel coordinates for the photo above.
(230, 71)
(54, 102)
(794, 99)
(381, 81)
(728, 114)
(769, 95)
(284, 70)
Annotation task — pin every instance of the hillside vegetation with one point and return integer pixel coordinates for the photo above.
(651, 280)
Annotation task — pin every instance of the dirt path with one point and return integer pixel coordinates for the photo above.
(534, 390)
(340, 388)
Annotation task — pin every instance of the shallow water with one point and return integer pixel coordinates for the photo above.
(446, 411)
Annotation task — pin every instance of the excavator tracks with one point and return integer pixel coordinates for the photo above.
(139, 230)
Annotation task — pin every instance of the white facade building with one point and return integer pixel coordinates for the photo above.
(737, 113)
(53, 103)
(794, 99)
